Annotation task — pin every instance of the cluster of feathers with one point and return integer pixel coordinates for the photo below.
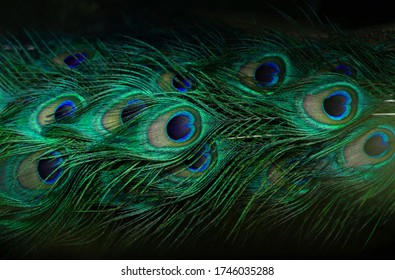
(133, 142)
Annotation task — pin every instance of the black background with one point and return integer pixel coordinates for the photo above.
(98, 16)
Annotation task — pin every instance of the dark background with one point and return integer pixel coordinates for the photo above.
(104, 17)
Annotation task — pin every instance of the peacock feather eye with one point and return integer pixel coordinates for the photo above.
(122, 112)
(131, 110)
(263, 75)
(343, 69)
(178, 127)
(175, 81)
(200, 161)
(59, 109)
(337, 105)
(332, 106)
(377, 145)
(372, 148)
(267, 74)
(40, 170)
(66, 109)
(49, 169)
(180, 83)
(76, 59)
(72, 60)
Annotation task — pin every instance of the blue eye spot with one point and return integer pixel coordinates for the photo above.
(377, 145)
(48, 169)
(66, 109)
(180, 83)
(76, 59)
(131, 110)
(267, 74)
(338, 105)
(180, 127)
(344, 69)
(201, 161)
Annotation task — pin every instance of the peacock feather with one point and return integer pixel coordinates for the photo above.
(125, 143)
